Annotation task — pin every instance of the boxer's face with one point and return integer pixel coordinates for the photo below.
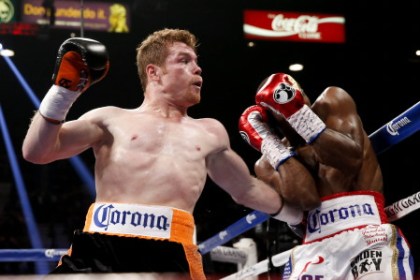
(181, 75)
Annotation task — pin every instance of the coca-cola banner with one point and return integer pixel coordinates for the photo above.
(293, 26)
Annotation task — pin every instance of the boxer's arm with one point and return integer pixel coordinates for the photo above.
(344, 132)
(228, 170)
(292, 180)
(46, 142)
(277, 166)
(80, 63)
(331, 125)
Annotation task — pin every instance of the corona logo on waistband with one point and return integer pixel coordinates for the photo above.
(317, 219)
(393, 128)
(108, 215)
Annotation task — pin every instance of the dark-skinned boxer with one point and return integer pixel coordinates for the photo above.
(319, 157)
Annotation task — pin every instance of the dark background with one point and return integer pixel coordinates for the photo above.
(376, 65)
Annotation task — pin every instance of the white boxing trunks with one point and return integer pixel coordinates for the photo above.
(348, 237)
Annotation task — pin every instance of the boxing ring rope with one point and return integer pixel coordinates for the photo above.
(398, 129)
(31, 255)
(260, 267)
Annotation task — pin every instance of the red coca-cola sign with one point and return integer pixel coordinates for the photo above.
(293, 26)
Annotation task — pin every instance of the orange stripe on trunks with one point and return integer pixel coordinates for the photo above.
(147, 222)
(144, 221)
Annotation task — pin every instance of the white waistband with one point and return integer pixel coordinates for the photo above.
(341, 213)
(130, 219)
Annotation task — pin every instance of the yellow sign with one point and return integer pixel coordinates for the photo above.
(101, 16)
(7, 11)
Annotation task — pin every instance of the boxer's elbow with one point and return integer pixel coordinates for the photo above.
(32, 158)
(34, 155)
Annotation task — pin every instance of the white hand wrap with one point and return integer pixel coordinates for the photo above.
(288, 214)
(57, 103)
(307, 124)
(275, 151)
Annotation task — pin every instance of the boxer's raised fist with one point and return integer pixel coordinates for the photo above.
(81, 62)
(253, 126)
(256, 132)
(282, 95)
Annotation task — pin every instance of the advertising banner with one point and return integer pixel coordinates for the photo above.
(293, 26)
(99, 16)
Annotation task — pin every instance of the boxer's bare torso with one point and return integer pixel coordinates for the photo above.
(145, 157)
(155, 154)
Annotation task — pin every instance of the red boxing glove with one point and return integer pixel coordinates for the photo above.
(256, 132)
(281, 94)
(253, 126)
